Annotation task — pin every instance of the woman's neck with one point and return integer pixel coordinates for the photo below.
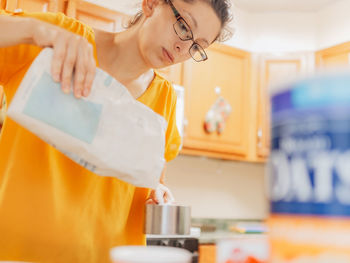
(118, 54)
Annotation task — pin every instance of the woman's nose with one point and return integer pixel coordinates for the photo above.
(182, 47)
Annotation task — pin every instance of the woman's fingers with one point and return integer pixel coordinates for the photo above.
(90, 72)
(82, 64)
(73, 58)
(161, 195)
(80, 73)
(69, 63)
(59, 54)
(151, 202)
(152, 199)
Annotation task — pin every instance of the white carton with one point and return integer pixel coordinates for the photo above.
(109, 132)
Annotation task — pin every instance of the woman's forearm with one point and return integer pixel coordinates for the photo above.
(16, 30)
(71, 51)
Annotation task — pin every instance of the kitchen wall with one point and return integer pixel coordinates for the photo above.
(217, 188)
(333, 25)
(274, 32)
(291, 32)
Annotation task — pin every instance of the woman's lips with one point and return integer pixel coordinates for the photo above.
(168, 56)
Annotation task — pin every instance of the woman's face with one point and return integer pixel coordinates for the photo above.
(160, 46)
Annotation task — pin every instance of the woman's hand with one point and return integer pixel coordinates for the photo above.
(71, 54)
(161, 195)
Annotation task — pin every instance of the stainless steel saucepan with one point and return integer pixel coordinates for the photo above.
(167, 219)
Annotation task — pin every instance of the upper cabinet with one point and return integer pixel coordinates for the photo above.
(225, 74)
(34, 5)
(269, 70)
(96, 16)
(334, 56)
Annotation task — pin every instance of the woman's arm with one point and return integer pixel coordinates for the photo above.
(15, 30)
(72, 52)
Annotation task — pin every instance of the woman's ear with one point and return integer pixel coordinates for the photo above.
(148, 6)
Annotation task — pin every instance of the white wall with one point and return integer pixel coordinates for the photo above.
(333, 25)
(292, 32)
(274, 32)
(218, 189)
(240, 28)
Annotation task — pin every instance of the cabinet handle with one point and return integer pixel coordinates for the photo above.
(185, 124)
(260, 135)
(217, 90)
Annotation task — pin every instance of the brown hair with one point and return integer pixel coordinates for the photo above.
(221, 8)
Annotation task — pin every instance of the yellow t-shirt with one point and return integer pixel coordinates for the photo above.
(52, 209)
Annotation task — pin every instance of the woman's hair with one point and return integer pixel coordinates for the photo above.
(221, 8)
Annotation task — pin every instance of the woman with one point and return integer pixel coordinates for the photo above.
(52, 209)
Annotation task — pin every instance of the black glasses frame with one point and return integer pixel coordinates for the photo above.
(195, 45)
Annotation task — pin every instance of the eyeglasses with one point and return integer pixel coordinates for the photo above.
(184, 32)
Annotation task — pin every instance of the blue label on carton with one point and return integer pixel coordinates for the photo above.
(78, 118)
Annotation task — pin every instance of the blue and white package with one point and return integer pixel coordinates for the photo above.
(310, 147)
(309, 170)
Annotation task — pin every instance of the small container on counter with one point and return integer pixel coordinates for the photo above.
(149, 254)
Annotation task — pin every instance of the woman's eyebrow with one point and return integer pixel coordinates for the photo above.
(192, 18)
(206, 41)
(195, 24)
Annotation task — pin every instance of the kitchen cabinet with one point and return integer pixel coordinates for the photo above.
(244, 79)
(227, 70)
(96, 16)
(270, 72)
(334, 56)
(34, 5)
(207, 253)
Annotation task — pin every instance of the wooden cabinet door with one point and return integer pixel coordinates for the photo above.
(273, 72)
(335, 56)
(9, 5)
(34, 5)
(207, 253)
(96, 16)
(229, 69)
